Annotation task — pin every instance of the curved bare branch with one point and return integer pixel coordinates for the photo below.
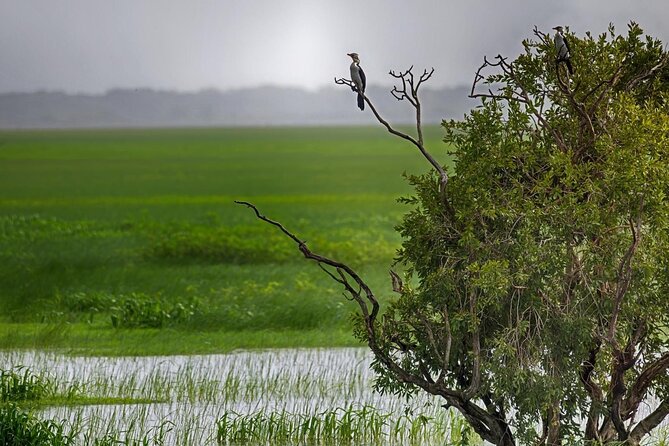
(322, 260)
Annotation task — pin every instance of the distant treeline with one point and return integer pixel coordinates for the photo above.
(245, 107)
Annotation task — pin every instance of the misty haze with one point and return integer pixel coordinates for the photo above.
(247, 107)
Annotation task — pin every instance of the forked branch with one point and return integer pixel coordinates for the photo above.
(518, 93)
(650, 72)
(408, 91)
(411, 94)
(479, 78)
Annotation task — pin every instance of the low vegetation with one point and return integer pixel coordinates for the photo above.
(126, 241)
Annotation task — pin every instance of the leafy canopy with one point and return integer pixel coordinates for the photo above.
(542, 269)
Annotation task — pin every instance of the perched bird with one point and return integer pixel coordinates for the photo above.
(562, 50)
(358, 78)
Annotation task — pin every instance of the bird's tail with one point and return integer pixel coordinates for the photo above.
(361, 101)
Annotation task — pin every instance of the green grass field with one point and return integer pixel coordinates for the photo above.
(128, 241)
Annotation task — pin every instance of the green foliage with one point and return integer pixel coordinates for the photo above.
(133, 310)
(219, 245)
(556, 247)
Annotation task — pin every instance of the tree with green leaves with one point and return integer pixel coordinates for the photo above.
(536, 301)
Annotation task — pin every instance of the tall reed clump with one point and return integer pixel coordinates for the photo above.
(19, 384)
(20, 428)
(341, 426)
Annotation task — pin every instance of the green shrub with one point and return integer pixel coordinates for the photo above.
(134, 310)
(296, 304)
(139, 310)
(85, 302)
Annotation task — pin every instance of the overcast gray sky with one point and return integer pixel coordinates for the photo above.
(94, 45)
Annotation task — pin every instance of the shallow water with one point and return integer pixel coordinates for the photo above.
(197, 390)
(193, 392)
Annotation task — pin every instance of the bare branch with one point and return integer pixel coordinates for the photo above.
(411, 94)
(299, 242)
(327, 271)
(370, 316)
(343, 81)
(648, 73)
(650, 422)
(545, 38)
(643, 382)
(398, 286)
(401, 93)
(478, 77)
(624, 276)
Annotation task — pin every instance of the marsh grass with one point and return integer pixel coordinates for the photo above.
(133, 310)
(253, 398)
(244, 245)
(339, 426)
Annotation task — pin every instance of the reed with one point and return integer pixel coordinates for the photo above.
(338, 426)
(20, 428)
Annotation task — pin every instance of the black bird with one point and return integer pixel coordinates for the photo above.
(563, 50)
(358, 78)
